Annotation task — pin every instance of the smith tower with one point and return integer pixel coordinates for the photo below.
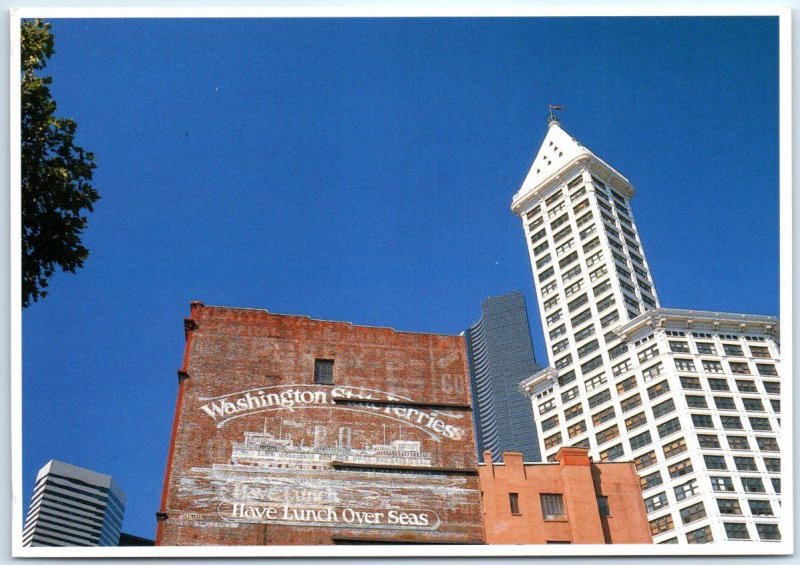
(590, 270)
(692, 397)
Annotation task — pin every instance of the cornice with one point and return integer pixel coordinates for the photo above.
(659, 317)
(583, 162)
(529, 385)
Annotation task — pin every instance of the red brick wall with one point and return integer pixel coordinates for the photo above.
(579, 482)
(308, 472)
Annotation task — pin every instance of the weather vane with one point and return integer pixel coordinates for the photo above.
(552, 117)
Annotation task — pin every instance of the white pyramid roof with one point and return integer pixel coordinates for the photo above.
(558, 150)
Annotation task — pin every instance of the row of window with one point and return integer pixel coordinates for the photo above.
(553, 209)
(733, 530)
(726, 403)
(735, 423)
(722, 384)
(659, 410)
(583, 235)
(552, 506)
(709, 348)
(719, 463)
(736, 368)
(718, 483)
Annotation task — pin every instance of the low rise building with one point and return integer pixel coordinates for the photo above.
(570, 501)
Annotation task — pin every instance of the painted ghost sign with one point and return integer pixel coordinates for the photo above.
(384, 454)
(290, 397)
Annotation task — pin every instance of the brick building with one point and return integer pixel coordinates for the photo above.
(290, 430)
(570, 501)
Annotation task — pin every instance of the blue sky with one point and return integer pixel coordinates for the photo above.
(362, 170)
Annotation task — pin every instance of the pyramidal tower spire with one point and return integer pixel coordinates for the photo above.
(587, 260)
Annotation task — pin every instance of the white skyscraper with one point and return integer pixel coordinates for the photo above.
(692, 397)
(73, 506)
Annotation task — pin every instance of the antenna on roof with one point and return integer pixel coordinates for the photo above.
(552, 119)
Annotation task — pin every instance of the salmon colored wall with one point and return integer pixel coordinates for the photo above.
(580, 482)
(620, 483)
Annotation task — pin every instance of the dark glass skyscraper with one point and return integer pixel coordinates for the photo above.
(500, 356)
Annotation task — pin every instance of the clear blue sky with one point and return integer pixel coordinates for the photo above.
(362, 170)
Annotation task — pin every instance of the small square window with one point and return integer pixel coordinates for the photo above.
(708, 441)
(731, 422)
(745, 463)
(752, 484)
(693, 513)
(736, 530)
(732, 349)
(553, 506)
(768, 531)
(721, 484)
(703, 535)
(718, 384)
(738, 443)
(760, 507)
(746, 386)
(767, 444)
(715, 462)
(662, 524)
(724, 403)
(706, 348)
(646, 460)
(729, 506)
(691, 383)
(655, 502)
(696, 401)
(686, 490)
(323, 371)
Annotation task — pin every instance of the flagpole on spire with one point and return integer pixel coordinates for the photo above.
(552, 118)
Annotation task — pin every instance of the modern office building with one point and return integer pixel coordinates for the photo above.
(692, 397)
(130, 540)
(73, 506)
(294, 431)
(570, 501)
(500, 355)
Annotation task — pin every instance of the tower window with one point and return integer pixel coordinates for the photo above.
(323, 371)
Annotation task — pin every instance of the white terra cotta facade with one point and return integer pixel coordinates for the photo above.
(692, 397)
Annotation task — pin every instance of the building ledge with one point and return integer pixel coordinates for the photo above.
(660, 317)
(533, 384)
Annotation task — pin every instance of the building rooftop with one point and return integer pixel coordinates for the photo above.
(198, 304)
(559, 153)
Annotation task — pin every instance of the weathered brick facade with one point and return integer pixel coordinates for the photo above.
(261, 454)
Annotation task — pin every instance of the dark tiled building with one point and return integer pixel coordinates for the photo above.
(500, 357)
(128, 540)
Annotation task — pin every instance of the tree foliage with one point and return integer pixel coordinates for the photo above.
(56, 174)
